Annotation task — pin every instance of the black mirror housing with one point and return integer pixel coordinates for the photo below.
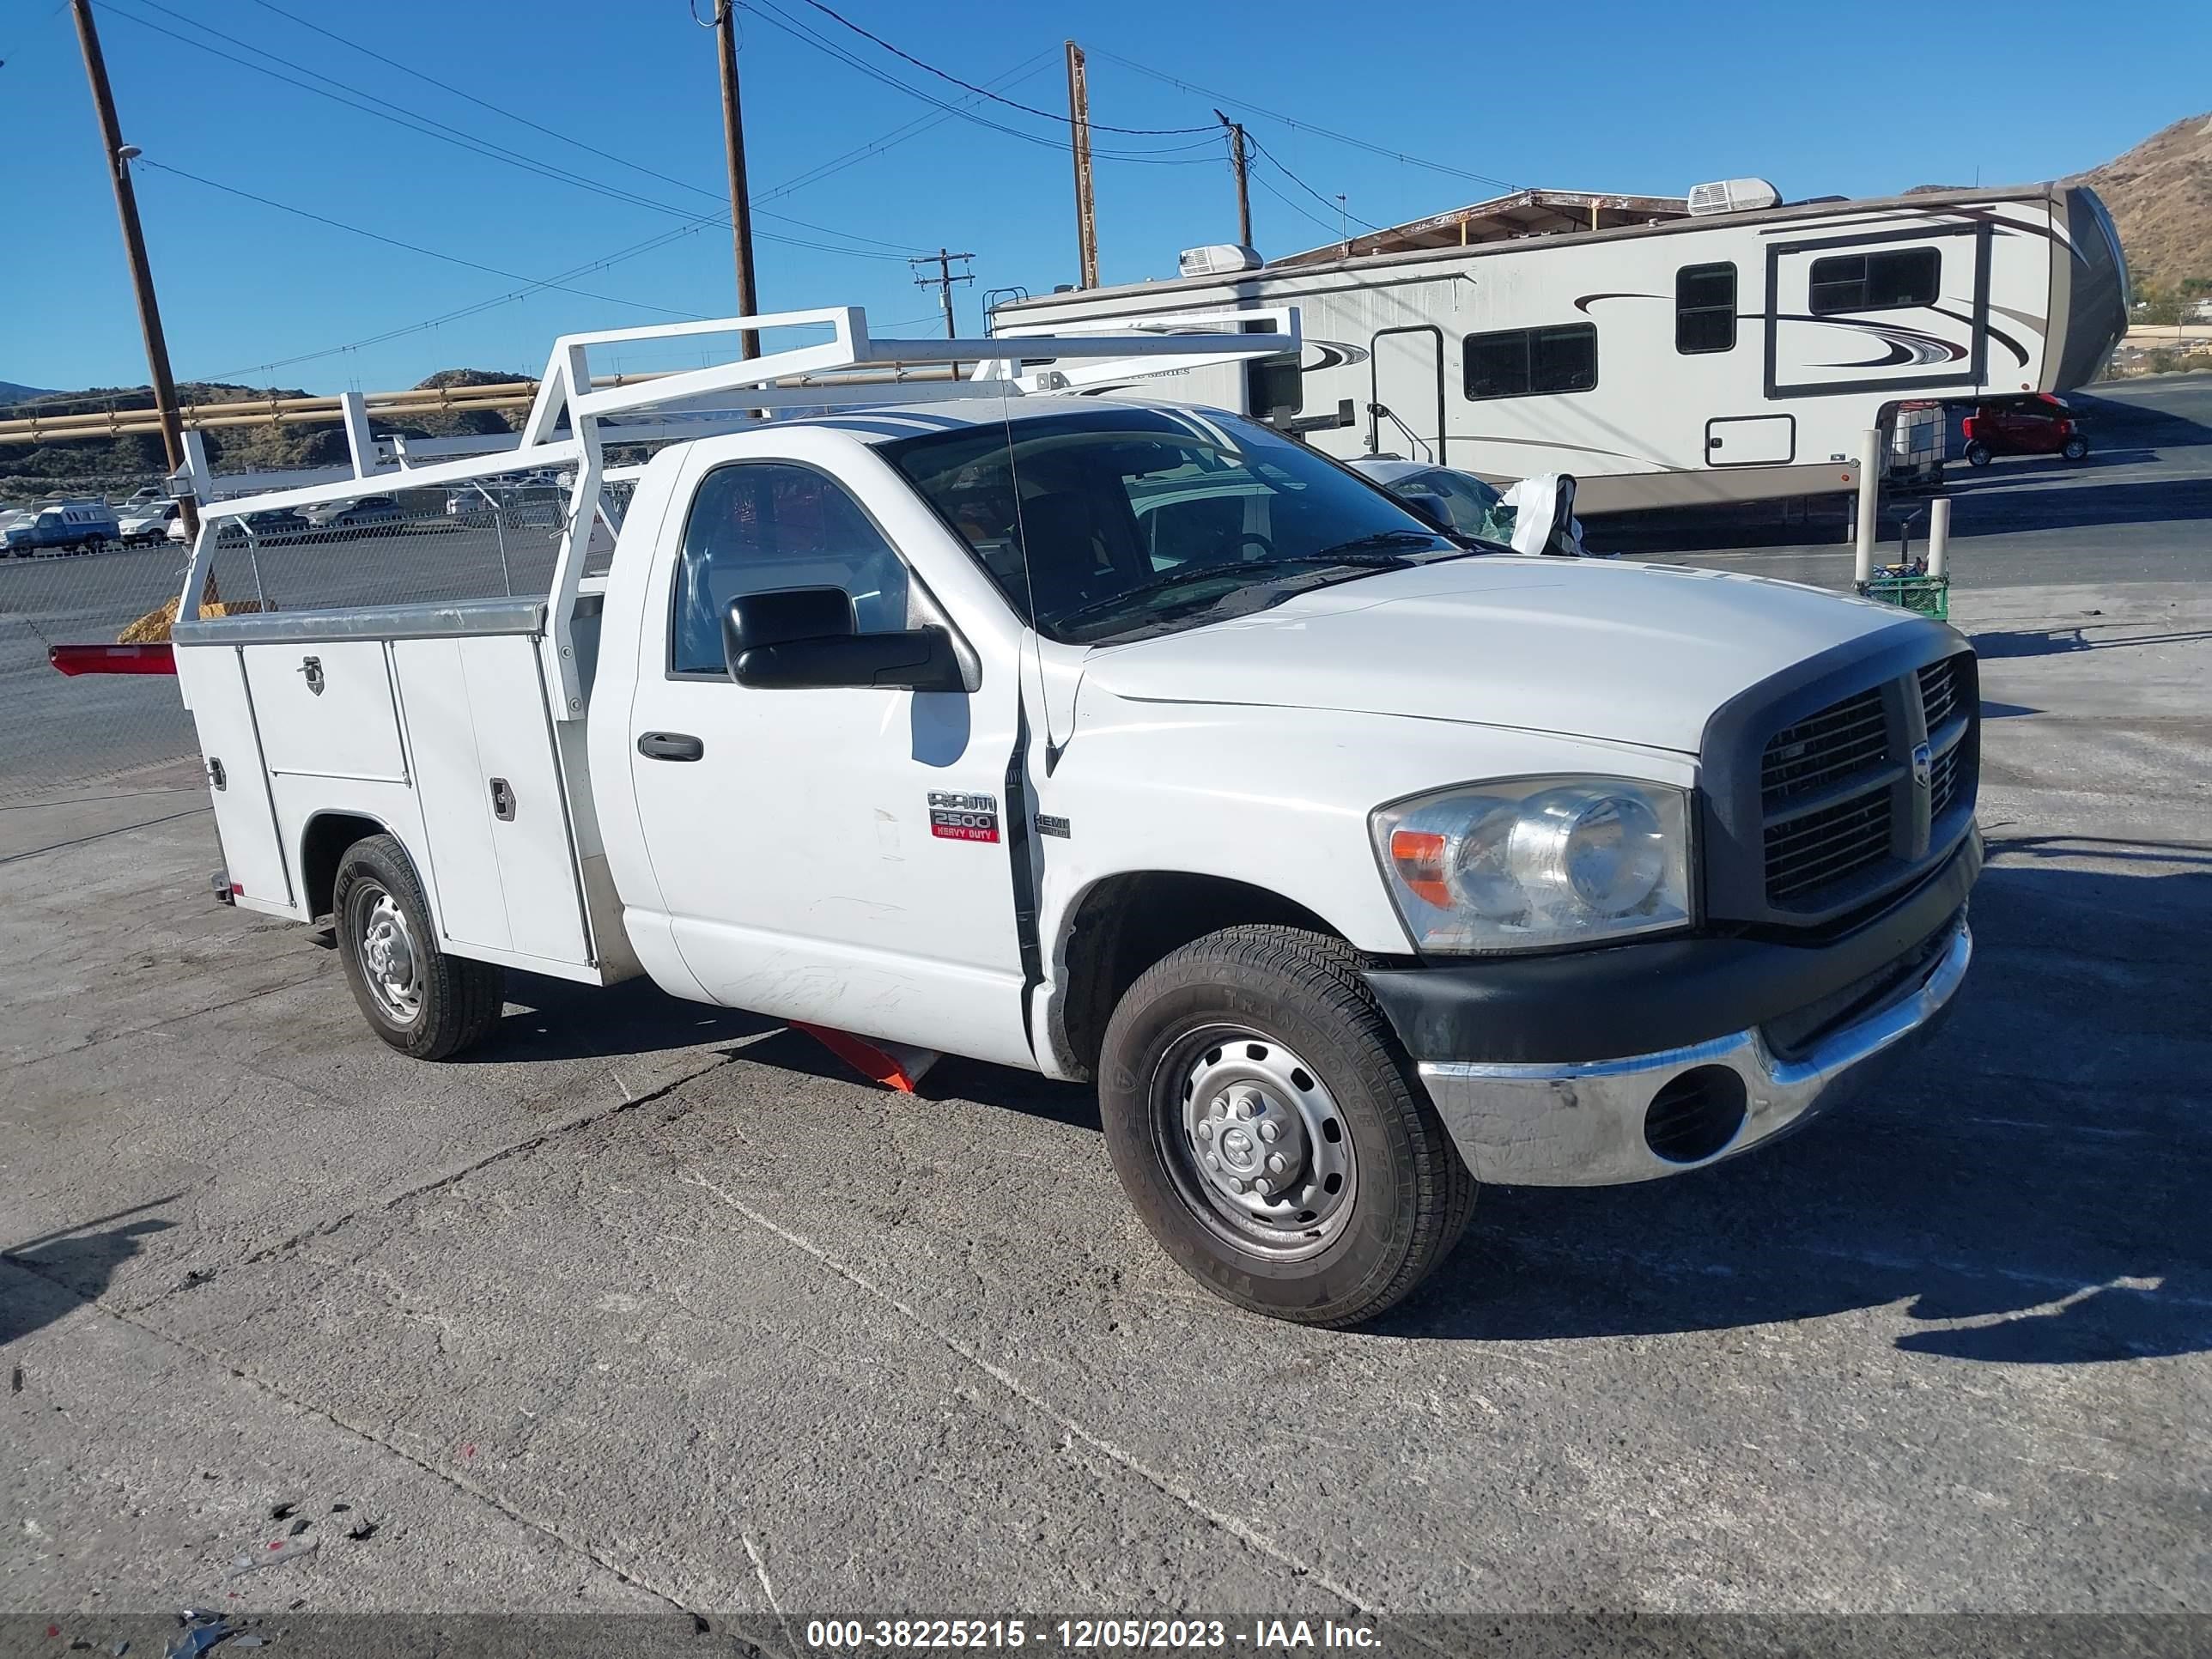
(754, 620)
(916, 659)
(1427, 507)
(803, 639)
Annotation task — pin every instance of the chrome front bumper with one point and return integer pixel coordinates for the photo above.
(1585, 1123)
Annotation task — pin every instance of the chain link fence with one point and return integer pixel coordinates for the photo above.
(60, 736)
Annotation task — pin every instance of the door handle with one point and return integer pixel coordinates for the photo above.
(670, 745)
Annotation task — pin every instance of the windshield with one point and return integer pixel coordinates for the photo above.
(1142, 522)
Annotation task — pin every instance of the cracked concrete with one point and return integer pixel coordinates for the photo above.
(653, 1307)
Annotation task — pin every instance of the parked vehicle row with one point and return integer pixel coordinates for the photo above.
(65, 527)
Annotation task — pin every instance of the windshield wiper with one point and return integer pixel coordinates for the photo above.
(1382, 538)
(1189, 574)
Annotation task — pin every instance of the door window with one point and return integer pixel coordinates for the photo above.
(757, 526)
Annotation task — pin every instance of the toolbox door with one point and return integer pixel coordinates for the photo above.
(230, 745)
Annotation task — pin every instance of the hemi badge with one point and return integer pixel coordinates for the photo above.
(1049, 825)
(956, 816)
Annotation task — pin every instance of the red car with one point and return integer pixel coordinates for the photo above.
(2040, 425)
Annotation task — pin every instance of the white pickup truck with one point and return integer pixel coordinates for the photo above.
(1356, 862)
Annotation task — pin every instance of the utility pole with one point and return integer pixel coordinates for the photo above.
(733, 137)
(943, 282)
(1079, 132)
(134, 245)
(1237, 165)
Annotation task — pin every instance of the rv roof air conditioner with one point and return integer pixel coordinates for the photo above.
(1219, 257)
(1733, 196)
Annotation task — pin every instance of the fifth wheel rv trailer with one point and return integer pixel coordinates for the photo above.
(1721, 354)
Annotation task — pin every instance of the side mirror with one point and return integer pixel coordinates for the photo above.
(1429, 507)
(802, 639)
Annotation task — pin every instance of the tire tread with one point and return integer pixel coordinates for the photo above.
(1328, 970)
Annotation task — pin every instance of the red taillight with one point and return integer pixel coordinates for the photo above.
(1419, 856)
(73, 660)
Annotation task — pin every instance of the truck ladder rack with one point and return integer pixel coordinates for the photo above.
(851, 369)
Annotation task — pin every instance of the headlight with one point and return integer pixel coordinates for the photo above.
(1537, 862)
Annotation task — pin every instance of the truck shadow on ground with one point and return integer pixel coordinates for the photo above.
(2029, 1190)
(557, 1019)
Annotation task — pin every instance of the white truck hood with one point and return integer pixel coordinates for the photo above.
(1591, 648)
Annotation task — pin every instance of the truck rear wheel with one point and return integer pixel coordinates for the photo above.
(1260, 1116)
(423, 1002)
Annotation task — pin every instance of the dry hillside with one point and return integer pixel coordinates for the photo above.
(2160, 195)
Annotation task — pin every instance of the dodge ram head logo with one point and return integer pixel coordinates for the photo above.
(1924, 766)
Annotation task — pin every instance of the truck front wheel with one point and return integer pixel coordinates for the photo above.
(1259, 1111)
(423, 1002)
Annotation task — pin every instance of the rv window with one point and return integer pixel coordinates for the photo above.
(1877, 281)
(1519, 362)
(1705, 308)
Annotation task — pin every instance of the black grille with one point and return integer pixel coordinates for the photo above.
(1809, 852)
(1845, 738)
(1944, 782)
(1939, 692)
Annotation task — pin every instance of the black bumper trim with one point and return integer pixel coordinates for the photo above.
(1642, 998)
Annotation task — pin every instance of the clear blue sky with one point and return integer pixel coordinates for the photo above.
(1627, 96)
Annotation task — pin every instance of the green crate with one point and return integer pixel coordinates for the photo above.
(1928, 596)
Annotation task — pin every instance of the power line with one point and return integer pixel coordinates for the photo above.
(1275, 162)
(1027, 109)
(769, 12)
(1261, 178)
(1028, 69)
(1372, 149)
(650, 243)
(429, 127)
(554, 133)
(411, 247)
(895, 136)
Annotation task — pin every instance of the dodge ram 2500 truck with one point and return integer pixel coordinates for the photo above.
(1357, 862)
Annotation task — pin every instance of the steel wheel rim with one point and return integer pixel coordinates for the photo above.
(391, 961)
(1217, 1093)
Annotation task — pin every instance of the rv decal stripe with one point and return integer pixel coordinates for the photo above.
(1583, 304)
(1994, 332)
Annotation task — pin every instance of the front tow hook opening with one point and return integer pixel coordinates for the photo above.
(1696, 1115)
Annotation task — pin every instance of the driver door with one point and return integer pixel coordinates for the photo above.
(838, 855)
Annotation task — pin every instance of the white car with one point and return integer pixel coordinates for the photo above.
(146, 523)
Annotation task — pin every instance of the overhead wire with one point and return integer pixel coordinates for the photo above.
(1240, 102)
(1027, 109)
(367, 103)
(411, 247)
(1021, 71)
(555, 133)
(1275, 162)
(455, 315)
(776, 18)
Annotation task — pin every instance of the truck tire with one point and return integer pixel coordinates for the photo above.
(2076, 449)
(1978, 453)
(426, 1004)
(1256, 1054)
